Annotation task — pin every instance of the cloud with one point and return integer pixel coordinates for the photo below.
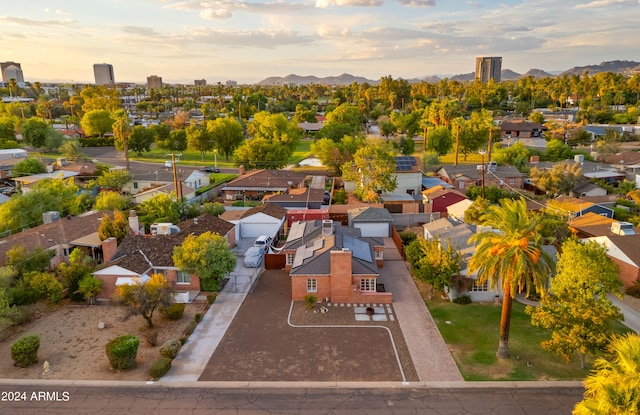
(223, 9)
(63, 13)
(417, 2)
(214, 14)
(36, 23)
(142, 31)
(322, 4)
(606, 3)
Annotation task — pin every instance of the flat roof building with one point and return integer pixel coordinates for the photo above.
(200, 82)
(5, 76)
(154, 81)
(488, 68)
(103, 73)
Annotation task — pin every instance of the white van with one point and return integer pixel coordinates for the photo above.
(263, 241)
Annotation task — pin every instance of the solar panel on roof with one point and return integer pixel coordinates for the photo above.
(297, 230)
(360, 249)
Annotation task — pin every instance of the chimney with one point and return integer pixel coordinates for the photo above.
(133, 222)
(109, 247)
(241, 170)
(327, 227)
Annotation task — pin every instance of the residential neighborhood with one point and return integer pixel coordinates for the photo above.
(234, 244)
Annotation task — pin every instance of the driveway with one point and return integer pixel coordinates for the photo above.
(260, 345)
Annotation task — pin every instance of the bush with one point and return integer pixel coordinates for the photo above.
(633, 290)
(463, 299)
(24, 351)
(310, 300)
(174, 312)
(183, 340)
(170, 348)
(22, 294)
(198, 317)
(122, 352)
(46, 285)
(190, 327)
(160, 367)
(339, 197)
(211, 298)
(96, 142)
(151, 337)
(407, 237)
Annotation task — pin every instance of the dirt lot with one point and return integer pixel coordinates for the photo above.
(74, 346)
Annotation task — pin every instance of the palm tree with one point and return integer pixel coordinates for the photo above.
(512, 259)
(614, 386)
(121, 131)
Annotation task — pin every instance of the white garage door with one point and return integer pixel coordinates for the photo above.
(253, 230)
(373, 229)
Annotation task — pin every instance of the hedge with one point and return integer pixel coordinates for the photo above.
(24, 351)
(122, 352)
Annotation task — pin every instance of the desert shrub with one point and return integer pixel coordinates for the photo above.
(463, 299)
(46, 286)
(190, 327)
(174, 312)
(183, 339)
(22, 293)
(20, 315)
(633, 290)
(211, 298)
(198, 317)
(151, 337)
(339, 197)
(310, 300)
(160, 367)
(170, 348)
(24, 351)
(122, 352)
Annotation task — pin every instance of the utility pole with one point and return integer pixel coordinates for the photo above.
(482, 153)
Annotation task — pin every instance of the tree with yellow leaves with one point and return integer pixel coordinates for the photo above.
(145, 298)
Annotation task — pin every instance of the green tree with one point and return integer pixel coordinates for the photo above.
(439, 140)
(97, 122)
(334, 131)
(372, 170)
(516, 155)
(118, 227)
(199, 139)
(160, 208)
(72, 150)
(577, 309)
(560, 179)
(334, 154)
(140, 139)
(79, 267)
(7, 128)
(98, 97)
(24, 260)
(35, 132)
(432, 262)
(53, 140)
(345, 114)
(28, 167)
(275, 128)
(114, 179)
(613, 388)
(557, 151)
(512, 260)
(227, 135)
(261, 153)
(208, 255)
(213, 209)
(89, 287)
(145, 298)
(111, 201)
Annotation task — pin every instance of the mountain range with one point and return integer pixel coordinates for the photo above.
(625, 67)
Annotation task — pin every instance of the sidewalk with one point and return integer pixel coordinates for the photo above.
(631, 316)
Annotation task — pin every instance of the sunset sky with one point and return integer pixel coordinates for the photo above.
(247, 41)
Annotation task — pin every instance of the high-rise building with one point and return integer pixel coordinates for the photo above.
(13, 72)
(154, 81)
(3, 68)
(488, 68)
(200, 82)
(103, 73)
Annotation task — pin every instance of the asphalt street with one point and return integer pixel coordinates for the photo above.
(132, 398)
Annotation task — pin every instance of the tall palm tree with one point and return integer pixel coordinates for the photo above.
(121, 131)
(512, 259)
(614, 386)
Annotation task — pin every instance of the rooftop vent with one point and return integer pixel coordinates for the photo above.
(327, 227)
(622, 228)
(51, 216)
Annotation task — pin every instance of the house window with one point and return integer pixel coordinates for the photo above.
(161, 271)
(290, 257)
(379, 255)
(368, 285)
(312, 285)
(484, 287)
(239, 192)
(66, 251)
(512, 181)
(410, 191)
(183, 277)
(461, 185)
(135, 185)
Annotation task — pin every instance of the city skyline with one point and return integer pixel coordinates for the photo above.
(247, 41)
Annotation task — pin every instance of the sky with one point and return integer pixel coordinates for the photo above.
(249, 40)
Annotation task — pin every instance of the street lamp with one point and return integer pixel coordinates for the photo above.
(482, 153)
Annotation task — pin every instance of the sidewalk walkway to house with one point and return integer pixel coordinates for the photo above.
(429, 352)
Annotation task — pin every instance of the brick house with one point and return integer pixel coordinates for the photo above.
(139, 256)
(333, 261)
(624, 251)
(439, 198)
(521, 129)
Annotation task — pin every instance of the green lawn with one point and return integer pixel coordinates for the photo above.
(303, 151)
(472, 332)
